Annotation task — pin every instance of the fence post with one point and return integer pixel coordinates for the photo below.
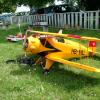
(88, 18)
(91, 20)
(64, 19)
(55, 20)
(11, 20)
(80, 24)
(76, 19)
(85, 20)
(97, 19)
(68, 19)
(72, 20)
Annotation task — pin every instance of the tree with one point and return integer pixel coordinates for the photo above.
(91, 4)
(10, 5)
(85, 4)
(35, 3)
(7, 6)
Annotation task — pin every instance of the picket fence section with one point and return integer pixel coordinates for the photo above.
(84, 20)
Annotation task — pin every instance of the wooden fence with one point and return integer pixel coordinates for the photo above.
(84, 20)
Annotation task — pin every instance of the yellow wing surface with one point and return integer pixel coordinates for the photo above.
(74, 64)
(66, 35)
(77, 65)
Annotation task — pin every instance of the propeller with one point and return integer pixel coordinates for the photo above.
(25, 42)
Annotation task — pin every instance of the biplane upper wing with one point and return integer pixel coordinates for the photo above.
(90, 39)
(66, 35)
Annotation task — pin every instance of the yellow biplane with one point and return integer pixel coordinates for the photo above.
(56, 47)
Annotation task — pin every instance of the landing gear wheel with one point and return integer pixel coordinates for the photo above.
(25, 60)
(45, 72)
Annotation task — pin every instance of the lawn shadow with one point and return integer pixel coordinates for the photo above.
(23, 70)
(60, 77)
(96, 57)
(69, 79)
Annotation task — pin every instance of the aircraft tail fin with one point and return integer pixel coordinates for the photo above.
(92, 46)
(60, 31)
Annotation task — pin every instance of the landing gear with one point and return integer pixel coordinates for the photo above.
(22, 60)
(45, 72)
(29, 61)
(25, 60)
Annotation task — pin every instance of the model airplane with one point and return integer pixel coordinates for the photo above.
(15, 38)
(55, 47)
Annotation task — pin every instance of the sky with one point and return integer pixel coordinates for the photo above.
(22, 9)
(26, 8)
(58, 2)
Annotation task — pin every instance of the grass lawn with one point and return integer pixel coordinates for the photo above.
(62, 83)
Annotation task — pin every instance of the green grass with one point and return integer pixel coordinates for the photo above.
(62, 83)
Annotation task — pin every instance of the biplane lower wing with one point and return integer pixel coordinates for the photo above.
(74, 64)
(97, 54)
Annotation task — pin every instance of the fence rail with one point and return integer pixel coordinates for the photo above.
(84, 20)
